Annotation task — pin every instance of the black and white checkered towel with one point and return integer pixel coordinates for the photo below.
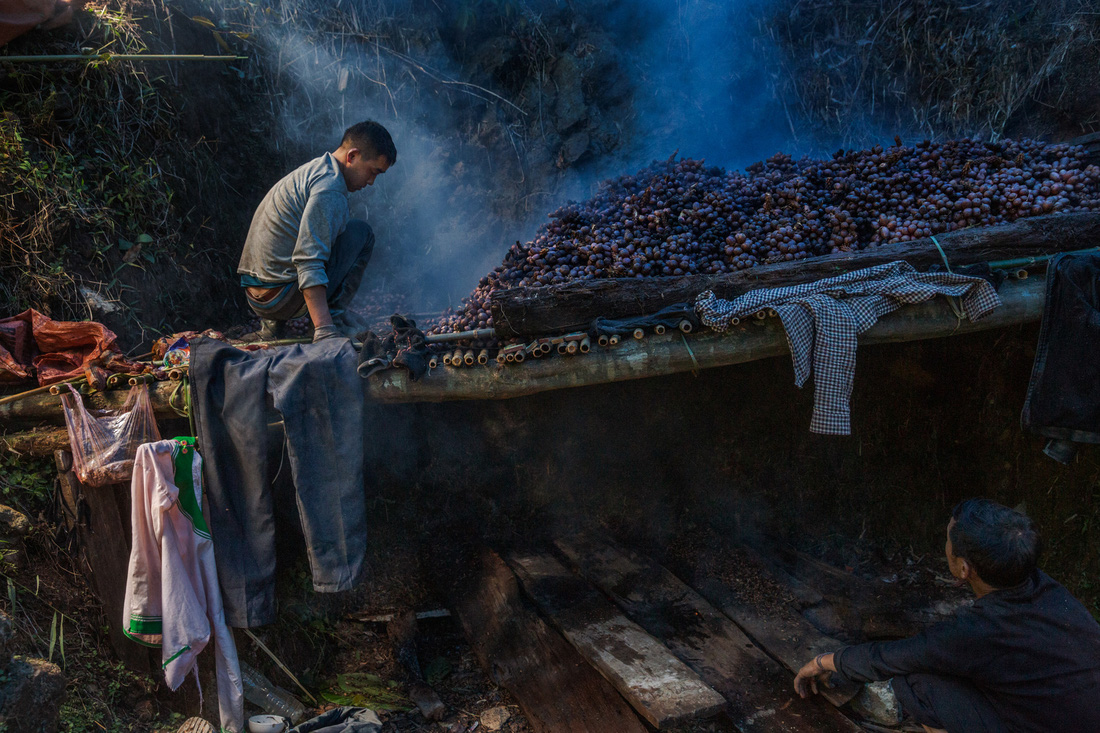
(823, 319)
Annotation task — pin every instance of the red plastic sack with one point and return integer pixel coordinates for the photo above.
(33, 344)
(104, 442)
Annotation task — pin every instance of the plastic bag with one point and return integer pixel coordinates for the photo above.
(104, 442)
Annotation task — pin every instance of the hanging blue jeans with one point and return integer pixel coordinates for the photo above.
(319, 394)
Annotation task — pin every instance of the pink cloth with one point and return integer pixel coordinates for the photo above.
(172, 594)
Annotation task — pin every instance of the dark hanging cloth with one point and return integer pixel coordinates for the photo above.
(1063, 398)
(319, 395)
(669, 317)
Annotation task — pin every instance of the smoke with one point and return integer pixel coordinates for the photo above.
(704, 73)
(603, 88)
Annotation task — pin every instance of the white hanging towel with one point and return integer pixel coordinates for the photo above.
(172, 596)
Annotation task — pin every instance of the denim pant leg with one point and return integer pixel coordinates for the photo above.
(316, 388)
(229, 389)
(350, 254)
(945, 702)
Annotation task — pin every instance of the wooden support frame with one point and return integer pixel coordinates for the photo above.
(760, 692)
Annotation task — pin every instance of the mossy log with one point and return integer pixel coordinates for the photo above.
(39, 442)
(573, 306)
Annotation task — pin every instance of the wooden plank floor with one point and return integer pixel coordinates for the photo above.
(556, 688)
(660, 687)
(759, 690)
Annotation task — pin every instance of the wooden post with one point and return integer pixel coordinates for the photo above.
(105, 536)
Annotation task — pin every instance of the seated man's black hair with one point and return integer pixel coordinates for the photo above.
(372, 138)
(1001, 544)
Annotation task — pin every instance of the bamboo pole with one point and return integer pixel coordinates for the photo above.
(674, 352)
(49, 58)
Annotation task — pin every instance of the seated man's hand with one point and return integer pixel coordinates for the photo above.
(320, 333)
(807, 678)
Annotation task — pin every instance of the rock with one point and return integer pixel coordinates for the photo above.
(826, 619)
(14, 526)
(6, 635)
(495, 718)
(572, 149)
(570, 108)
(146, 710)
(878, 703)
(31, 697)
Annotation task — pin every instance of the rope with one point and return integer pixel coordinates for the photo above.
(951, 299)
(691, 353)
(942, 253)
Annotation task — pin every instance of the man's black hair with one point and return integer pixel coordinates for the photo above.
(372, 138)
(1000, 543)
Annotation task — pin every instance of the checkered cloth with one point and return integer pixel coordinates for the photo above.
(823, 319)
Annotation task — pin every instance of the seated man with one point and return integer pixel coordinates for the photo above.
(1024, 657)
(304, 252)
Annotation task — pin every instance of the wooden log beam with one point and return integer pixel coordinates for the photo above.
(573, 306)
(555, 688)
(760, 694)
(663, 689)
(632, 359)
(46, 408)
(40, 442)
(670, 353)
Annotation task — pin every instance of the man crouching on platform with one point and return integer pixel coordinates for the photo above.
(304, 252)
(1024, 657)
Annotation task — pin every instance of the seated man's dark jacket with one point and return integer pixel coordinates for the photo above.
(1033, 650)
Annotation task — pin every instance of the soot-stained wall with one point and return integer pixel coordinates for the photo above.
(934, 422)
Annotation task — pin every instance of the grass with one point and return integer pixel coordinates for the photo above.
(83, 147)
(933, 67)
(26, 483)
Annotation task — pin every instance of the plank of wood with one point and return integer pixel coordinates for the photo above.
(1022, 302)
(872, 609)
(783, 634)
(659, 686)
(538, 311)
(556, 688)
(760, 692)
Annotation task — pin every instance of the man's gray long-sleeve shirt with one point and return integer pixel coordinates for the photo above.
(294, 227)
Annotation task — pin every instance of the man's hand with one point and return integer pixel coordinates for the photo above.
(816, 669)
(326, 332)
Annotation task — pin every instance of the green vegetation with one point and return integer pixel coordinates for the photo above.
(26, 482)
(80, 145)
(937, 67)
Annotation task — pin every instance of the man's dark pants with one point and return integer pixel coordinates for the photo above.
(945, 702)
(351, 251)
